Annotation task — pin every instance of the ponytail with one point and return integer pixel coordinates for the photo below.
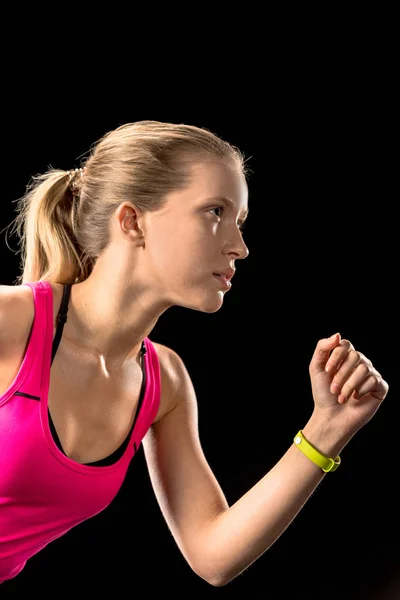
(46, 224)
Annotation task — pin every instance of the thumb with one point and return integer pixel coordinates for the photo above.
(322, 351)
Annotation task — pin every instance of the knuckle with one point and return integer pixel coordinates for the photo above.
(377, 381)
(355, 356)
(346, 390)
(339, 379)
(346, 344)
(364, 359)
(364, 368)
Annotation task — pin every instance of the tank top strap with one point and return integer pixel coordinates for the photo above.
(32, 366)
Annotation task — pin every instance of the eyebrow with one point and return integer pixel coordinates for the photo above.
(231, 204)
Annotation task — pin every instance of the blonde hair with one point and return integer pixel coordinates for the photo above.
(63, 218)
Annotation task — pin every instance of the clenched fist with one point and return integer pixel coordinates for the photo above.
(346, 386)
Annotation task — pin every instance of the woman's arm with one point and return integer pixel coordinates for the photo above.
(219, 542)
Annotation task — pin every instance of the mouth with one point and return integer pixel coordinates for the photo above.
(223, 280)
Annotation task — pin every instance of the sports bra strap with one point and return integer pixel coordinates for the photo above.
(61, 319)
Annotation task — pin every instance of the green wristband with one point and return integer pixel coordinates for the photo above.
(328, 465)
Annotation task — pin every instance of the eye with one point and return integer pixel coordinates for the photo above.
(218, 208)
(221, 209)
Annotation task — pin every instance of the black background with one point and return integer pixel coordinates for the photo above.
(318, 128)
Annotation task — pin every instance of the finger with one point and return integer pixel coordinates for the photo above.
(345, 369)
(338, 355)
(360, 374)
(321, 353)
(375, 385)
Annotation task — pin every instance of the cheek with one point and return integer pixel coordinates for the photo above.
(179, 236)
(171, 245)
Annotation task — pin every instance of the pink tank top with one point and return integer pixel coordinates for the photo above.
(43, 493)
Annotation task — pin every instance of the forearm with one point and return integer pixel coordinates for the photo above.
(244, 531)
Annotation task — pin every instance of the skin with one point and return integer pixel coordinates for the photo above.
(156, 260)
(165, 258)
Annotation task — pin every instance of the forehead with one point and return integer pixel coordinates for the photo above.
(216, 178)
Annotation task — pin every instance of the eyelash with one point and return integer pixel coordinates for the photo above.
(241, 225)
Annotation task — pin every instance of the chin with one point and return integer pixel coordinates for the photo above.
(200, 300)
(210, 310)
(207, 305)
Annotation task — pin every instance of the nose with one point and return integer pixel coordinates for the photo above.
(237, 247)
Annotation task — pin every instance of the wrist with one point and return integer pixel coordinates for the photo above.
(324, 436)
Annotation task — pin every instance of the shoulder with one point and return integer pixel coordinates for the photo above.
(16, 313)
(9, 294)
(175, 378)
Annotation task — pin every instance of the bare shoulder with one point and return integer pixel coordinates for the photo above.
(16, 313)
(175, 378)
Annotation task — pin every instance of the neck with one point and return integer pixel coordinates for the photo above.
(110, 320)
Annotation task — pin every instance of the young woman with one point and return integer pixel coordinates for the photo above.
(153, 219)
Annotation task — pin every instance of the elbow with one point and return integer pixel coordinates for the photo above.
(219, 582)
(215, 581)
(212, 562)
(213, 567)
(221, 579)
(212, 576)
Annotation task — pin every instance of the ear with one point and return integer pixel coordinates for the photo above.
(129, 221)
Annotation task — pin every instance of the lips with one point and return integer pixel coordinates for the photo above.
(223, 280)
(226, 273)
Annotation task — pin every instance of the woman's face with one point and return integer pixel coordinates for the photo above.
(196, 234)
